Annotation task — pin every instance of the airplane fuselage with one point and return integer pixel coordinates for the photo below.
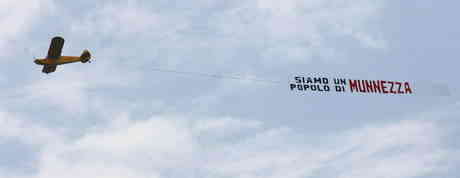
(58, 61)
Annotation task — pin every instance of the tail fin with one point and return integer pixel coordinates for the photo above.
(85, 56)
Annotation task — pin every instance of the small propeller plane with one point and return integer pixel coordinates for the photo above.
(54, 57)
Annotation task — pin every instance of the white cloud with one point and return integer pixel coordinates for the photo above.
(72, 90)
(155, 136)
(66, 91)
(294, 30)
(307, 27)
(167, 145)
(13, 126)
(124, 20)
(16, 17)
(407, 149)
(225, 125)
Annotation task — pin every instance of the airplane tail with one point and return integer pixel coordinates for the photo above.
(85, 56)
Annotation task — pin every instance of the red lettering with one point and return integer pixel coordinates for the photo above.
(407, 88)
(361, 86)
(353, 85)
(392, 87)
(382, 84)
(377, 86)
(369, 86)
(399, 87)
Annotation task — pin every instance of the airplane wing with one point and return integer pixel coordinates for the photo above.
(48, 68)
(54, 52)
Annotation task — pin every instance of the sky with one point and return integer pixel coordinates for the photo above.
(119, 117)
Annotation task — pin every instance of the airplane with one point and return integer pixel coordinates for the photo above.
(54, 57)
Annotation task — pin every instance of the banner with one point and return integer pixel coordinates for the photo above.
(343, 85)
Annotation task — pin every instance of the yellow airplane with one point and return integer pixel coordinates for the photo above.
(54, 57)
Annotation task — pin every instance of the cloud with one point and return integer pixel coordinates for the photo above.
(294, 30)
(15, 126)
(128, 17)
(175, 146)
(73, 89)
(16, 17)
(65, 93)
(300, 29)
(155, 136)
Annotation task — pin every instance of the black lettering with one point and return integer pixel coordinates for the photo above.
(336, 81)
(305, 87)
(313, 88)
(317, 80)
(338, 88)
(299, 87)
(297, 79)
